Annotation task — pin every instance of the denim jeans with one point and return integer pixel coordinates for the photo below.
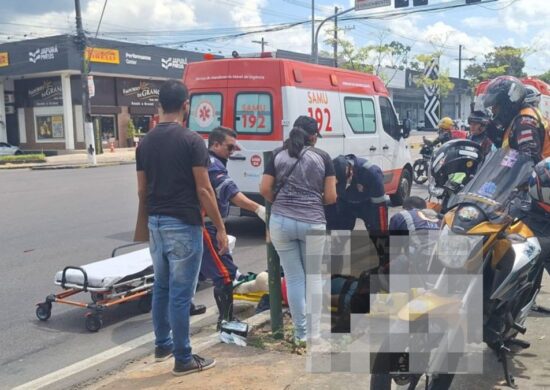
(289, 239)
(176, 249)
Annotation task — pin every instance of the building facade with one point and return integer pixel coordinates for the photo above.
(41, 89)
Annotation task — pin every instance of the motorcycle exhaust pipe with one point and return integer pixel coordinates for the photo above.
(520, 328)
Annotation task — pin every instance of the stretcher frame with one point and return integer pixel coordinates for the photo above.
(139, 288)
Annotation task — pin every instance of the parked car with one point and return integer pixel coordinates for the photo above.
(9, 150)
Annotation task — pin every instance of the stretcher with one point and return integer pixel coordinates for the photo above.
(118, 279)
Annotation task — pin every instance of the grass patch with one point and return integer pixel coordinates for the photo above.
(262, 338)
(23, 159)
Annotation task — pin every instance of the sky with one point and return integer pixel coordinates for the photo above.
(180, 23)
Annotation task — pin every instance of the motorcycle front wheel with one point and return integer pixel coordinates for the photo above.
(420, 171)
(439, 382)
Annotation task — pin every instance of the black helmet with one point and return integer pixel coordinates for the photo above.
(340, 166)
(456, 156)
(480, 117)
(508, 93)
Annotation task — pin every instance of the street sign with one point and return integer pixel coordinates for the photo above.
(367, 4)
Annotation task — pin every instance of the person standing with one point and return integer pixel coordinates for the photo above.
(299, 180)
(173, 182)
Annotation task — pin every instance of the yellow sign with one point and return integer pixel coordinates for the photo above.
(4, 60)
(97, 54)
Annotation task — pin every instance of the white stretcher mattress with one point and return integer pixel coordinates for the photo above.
(104, 274)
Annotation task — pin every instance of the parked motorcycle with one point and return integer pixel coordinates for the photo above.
(480, 236)
(421, 165)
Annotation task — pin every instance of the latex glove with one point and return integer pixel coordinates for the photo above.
(260, 212)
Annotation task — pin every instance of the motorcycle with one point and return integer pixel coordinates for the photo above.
(480, 236)
(421, 165)
(452, 166)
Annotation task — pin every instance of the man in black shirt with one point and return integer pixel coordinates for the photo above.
(173, 182)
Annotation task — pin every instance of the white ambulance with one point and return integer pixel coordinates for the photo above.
(261, 97)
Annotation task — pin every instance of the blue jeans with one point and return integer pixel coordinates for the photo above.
(176, 249)
(289, 239)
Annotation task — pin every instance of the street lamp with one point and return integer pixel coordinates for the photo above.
(315, 46)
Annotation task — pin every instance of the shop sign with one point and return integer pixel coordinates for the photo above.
(173, 62)
(4, 59)
(133, 58)
(137, 93)
(45, 93)
(43, 54)
(106, 56)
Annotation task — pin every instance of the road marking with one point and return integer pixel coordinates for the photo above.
(102, 357)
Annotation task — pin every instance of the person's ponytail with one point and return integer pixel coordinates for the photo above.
(296, 141)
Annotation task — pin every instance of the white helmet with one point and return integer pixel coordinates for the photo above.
(532, 97)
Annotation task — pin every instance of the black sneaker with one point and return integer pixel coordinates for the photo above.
(162, 353)
(196, 364)
(195, 310)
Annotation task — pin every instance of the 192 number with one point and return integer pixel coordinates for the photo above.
(322, 116)
(251, 120)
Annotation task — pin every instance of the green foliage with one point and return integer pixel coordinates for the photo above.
(131, 131)
(545, 76)
(504, 60)
(23, 159)
(443, 83)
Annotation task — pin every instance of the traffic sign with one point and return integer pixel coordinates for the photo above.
(367, 4)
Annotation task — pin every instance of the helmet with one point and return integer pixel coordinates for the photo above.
(532, 96)
(508, 93)
(340, 167)
(446, 123)
(539, 185)
(480, 117)
(455, 156)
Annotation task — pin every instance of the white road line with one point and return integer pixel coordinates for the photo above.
(102, 357)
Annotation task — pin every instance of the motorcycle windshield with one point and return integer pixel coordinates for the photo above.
(495, 182)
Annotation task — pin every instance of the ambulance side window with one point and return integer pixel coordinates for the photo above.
(253, 113)
(389, 120)
(360, 115)
(205, 112)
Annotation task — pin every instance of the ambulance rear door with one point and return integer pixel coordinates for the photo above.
(361, 126)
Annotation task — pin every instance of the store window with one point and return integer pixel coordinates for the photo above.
(206, 112)
(253, 113)
(49, 127)
(106, 126)
(142, 123)
(360, 115)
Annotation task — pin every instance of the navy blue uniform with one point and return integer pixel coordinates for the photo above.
(365, 198)
(220, 268)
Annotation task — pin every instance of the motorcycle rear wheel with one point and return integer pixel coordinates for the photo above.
(420, 171)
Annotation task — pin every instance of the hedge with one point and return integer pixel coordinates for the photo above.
(23, 159)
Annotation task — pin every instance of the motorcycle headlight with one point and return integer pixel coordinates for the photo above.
(468, 214)
(454, 250)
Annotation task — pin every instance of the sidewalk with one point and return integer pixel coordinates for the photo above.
(79, 159)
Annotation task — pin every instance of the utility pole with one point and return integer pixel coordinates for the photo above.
(262, 42)
(460, 81)
(315, 46)
(86, 105)
(312, 28)
(336, 37)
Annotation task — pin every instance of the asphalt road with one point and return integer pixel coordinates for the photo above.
(52, 219)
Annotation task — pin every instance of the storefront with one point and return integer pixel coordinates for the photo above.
(41, 90)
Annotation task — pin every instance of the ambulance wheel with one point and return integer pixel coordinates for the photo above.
(145, 304)
(404, 189)
(94, 322)
(44, 311)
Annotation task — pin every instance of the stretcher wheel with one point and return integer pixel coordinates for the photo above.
(97, 297)
(44, 311)
(94, 322)
(145, 303)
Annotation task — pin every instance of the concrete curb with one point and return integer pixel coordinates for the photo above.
(79, 166)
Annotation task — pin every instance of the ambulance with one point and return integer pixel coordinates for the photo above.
(261, 97)
(529, 82)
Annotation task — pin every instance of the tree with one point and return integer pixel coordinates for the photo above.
(504, 60)
(371, 58)
(545, 76)
(443, 83)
